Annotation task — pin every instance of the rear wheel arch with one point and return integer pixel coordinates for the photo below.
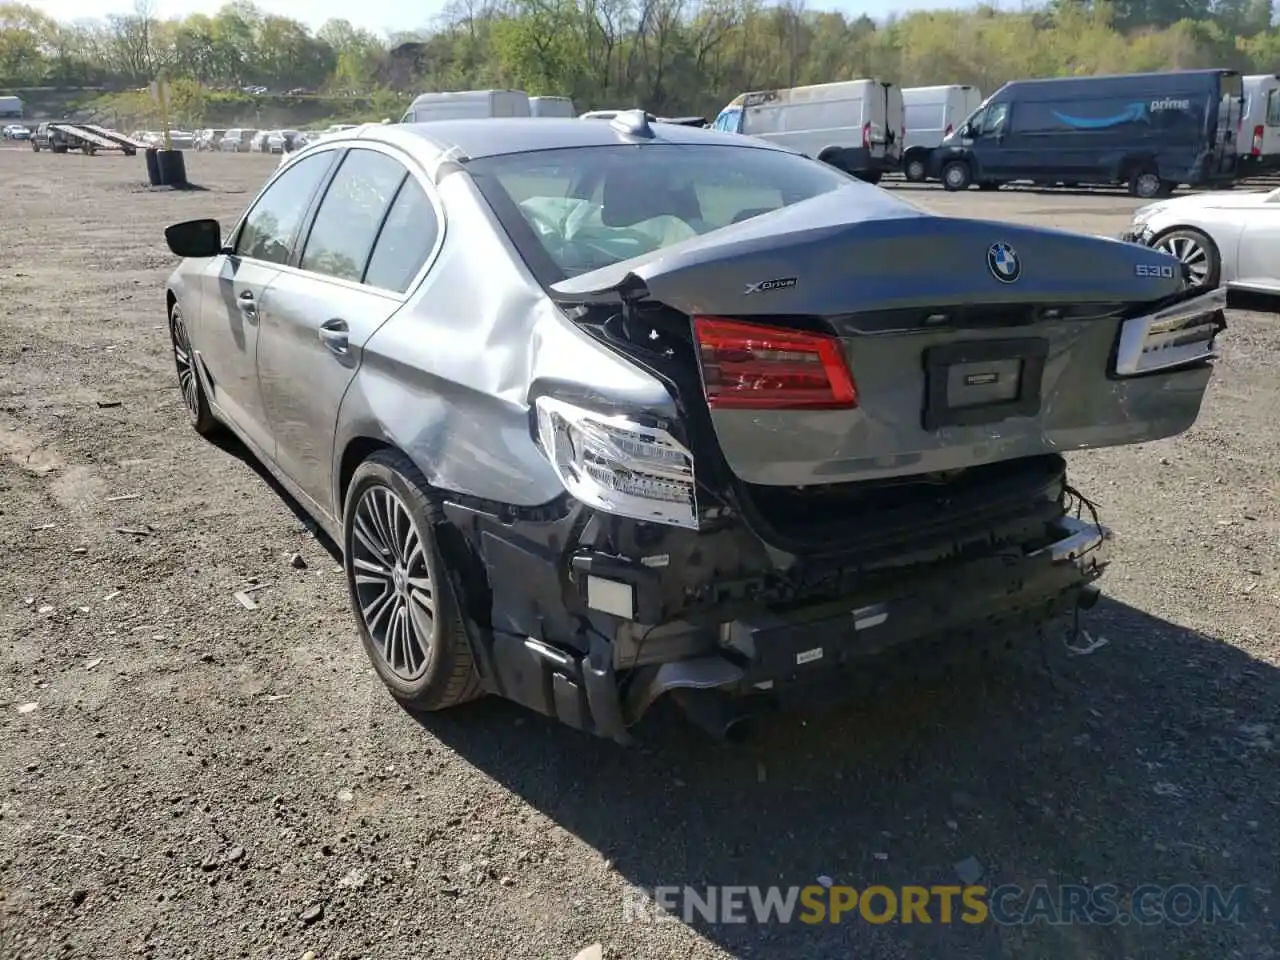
(838, 157)
(916, 153)
(357, 451)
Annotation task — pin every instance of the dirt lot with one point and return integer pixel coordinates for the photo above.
(200, 780)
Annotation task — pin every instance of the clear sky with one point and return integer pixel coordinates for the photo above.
(387, 16)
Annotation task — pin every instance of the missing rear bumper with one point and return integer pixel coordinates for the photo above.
(585, 682)
(954, 607)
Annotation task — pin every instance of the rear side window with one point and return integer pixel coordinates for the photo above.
(351, 214)
(570, 211)
(406, 240)
(1273, 108)
(269, 230)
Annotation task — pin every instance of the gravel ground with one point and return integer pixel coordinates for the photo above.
(183, 777)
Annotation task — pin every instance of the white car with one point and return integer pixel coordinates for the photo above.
(1228, 237)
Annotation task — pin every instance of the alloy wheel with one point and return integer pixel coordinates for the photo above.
(1192, 254)
(393, 587)
(182, 360)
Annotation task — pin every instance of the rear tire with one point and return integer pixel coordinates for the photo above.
(956, 175)
(1145, 183)
(403, 601)
(988, 185)
(1197, 251)
(869, 176)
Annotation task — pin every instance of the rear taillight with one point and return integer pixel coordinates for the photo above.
(866, 135)
(947, 132)
(746, 366)
(1257, 141)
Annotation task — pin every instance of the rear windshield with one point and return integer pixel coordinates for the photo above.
(579, 209)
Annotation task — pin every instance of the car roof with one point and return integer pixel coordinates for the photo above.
(473, 139)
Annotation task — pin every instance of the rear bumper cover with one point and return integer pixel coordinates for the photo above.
(545, 642)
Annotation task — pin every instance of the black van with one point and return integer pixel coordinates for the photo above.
(1151, 131)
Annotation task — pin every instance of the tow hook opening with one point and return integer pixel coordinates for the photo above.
(721, 716)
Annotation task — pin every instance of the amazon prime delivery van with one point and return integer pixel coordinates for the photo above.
(1260, 125)
(1149, 131)
(856, 125)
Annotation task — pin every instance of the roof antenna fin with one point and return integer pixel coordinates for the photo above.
(634, 123)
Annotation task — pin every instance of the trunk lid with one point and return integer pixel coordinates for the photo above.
(969, 342)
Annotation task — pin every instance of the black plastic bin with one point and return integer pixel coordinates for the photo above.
(153, 167)
(172, 167)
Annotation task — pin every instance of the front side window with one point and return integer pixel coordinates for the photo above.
(269, 230)
(993, 122)
(351, 213)
(730, 121)
(570, 211)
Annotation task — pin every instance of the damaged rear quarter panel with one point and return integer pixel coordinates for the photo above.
(448, 379)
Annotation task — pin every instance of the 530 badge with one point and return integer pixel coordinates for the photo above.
(1158, 271)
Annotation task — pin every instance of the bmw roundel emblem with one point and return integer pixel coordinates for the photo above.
(1003, 262)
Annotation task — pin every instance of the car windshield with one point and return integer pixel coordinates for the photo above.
(570, 211)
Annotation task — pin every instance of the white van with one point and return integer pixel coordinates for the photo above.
(467, 105)
(1259, 139)
(551, 107)
(931, 114)
(856, 125)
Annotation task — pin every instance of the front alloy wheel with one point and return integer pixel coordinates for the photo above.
(193, 397)
(1197, 252)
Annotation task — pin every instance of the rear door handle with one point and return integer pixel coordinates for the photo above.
(333, 334)
(248, 306)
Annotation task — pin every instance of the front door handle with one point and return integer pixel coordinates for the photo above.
(333, 334)
(248, 306)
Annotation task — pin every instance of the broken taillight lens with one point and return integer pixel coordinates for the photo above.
(866, 135)
(1257, 141)
(746, 366)
(947, 132)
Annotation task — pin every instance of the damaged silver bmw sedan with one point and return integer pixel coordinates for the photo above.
(601, 412)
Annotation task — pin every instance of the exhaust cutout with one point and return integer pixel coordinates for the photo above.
(714, 713)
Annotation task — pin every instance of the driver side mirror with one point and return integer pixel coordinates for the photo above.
(195, 238)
